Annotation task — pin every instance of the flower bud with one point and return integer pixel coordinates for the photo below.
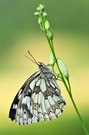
(36, 13)
(40, 7)
(47, 25)
(63, 68)
(44, 14)
(49, 35)
(52, 60)
(40, 20)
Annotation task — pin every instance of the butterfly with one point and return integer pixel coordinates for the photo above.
(39, 99)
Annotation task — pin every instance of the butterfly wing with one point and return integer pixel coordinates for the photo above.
(50, 101)
(18, 97)
(38, 99)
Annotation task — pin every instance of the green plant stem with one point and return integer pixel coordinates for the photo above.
(69, 84)
(77, 111)
(80, 118)
(68, 88)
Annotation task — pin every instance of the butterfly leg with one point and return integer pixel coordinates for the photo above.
(58, 77)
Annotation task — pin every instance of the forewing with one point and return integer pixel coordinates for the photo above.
(18, 97)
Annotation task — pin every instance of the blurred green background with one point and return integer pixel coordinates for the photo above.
(20, 32)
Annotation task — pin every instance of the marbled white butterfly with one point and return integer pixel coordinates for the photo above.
(38, 99)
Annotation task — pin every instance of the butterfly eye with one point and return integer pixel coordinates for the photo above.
(41, 65)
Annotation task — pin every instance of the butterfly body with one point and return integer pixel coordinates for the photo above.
(38, 99)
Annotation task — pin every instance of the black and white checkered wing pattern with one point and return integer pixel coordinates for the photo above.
(25, 88)
(38, 99)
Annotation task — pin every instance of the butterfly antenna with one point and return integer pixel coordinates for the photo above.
(33, 59)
